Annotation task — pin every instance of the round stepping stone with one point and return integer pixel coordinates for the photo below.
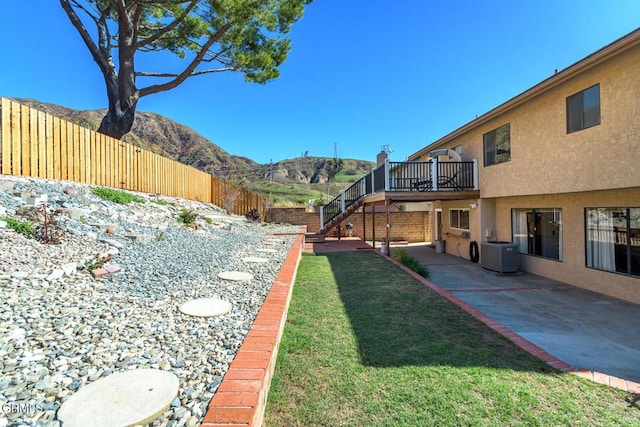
(236, 276)
(264, 250)
(127, 398)
(205, 307)
(254, 259)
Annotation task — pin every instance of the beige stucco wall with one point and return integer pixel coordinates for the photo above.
(593, 167)
(547, 160)
(455, 243)
(572, 269)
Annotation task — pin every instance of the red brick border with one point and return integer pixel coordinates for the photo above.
(242, 396)
(521, 342)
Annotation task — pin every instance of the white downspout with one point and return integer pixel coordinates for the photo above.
(434, 174)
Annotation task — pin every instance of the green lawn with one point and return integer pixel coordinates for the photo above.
(368, 345)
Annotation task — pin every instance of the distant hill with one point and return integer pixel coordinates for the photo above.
(294, 180)
(312, 170)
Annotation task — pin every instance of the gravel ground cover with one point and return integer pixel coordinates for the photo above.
(60, 328)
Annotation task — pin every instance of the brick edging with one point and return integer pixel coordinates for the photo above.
(242, 396)
(520, 341)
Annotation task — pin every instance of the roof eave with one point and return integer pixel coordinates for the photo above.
(615, 48)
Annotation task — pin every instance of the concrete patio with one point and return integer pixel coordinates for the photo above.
(582, 328)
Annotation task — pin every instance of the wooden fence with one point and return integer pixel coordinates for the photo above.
(37, 144)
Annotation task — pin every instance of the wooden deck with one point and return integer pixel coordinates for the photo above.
(419, 196)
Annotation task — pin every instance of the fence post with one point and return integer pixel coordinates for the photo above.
(321, 217)
(156, 173)
(434, 174)
(342, 204)
(6, 137)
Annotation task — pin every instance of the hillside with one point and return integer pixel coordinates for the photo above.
(287, 181)
(312, 170)
(297, 181)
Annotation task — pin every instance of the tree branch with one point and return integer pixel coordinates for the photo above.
(104, 36)
(216, 57)
(162, 1)
(195, 73)
(169, 27)
(136, 20)
(190, 68)
(85, 10)
(86, 37)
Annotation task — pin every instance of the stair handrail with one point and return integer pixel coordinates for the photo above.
(344, 201)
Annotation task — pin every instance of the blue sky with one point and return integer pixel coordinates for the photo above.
(361, 73)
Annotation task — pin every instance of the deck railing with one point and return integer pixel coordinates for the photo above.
(433, 175)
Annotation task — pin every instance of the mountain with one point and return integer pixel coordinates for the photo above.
(166, 137)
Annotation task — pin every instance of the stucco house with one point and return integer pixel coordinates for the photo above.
(558, 169)
(554, 171)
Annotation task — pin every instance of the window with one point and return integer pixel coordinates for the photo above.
(583, 109)
(459, 218)
(497, 145)
(538, 232)
(613, 239)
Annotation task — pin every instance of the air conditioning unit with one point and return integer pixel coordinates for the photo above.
(499, 256)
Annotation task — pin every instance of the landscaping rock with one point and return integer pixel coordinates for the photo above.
(79, 330)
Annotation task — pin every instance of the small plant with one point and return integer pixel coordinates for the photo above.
(82, 219)
(160, 237)
(49, 232)
(21, 227)
(98, 261)
(209, 221)
(187, 217)
(159, 202)
(403, 257)
(116, 196)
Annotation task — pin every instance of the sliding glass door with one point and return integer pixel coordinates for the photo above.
(538, 232)
(613, 239)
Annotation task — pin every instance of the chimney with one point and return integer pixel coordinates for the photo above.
(381, 157)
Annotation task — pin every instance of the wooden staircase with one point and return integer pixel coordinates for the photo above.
(341, 217)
